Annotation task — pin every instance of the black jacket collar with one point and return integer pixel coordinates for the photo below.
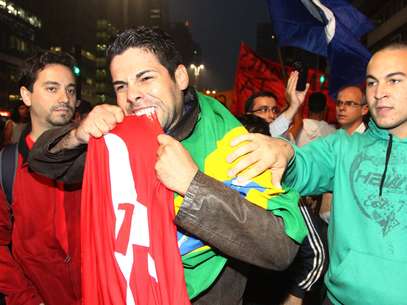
(190, 115)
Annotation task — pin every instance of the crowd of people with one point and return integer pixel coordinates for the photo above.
(268, 198)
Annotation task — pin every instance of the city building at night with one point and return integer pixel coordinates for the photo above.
(19, 28)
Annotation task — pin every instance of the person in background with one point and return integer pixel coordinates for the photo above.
(315, 125)
(20, 116)
(42, 219)
(264, 105)
(351, 109)
(351, 113)
(82, 110)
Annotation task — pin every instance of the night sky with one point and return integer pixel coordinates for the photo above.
(219, 26)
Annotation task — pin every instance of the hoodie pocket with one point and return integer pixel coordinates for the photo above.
(369, 280)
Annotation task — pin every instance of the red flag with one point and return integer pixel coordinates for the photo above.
(256, 74)
(129, 247)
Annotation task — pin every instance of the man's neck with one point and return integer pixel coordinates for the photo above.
(400, 131)
(350, 129)
(315, 116)
(36, 131)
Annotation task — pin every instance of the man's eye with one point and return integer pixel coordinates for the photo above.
(51, 89)
(370, 83)
(71, 91)
(394, 81)
(145, 78)
(119, 88)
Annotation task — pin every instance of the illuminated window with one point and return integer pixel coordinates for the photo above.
(11, 9)
(22, 14)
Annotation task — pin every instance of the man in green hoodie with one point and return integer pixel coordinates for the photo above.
(368, 175)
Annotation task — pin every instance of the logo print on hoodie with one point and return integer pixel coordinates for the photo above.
(389, 211)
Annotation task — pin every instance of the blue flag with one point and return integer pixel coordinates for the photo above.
(331, 28)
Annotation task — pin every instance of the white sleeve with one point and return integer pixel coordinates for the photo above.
(279, 126)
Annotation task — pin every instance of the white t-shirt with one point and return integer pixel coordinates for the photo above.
(313, 129)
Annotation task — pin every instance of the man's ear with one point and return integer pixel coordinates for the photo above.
(365, 109)
(25, 95)
(181, 77)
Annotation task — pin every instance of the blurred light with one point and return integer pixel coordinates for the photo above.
(273, 37)
(208, 91)
(11, 9)
(76, 70)
(56, 49)
(17, 11)
(213, 91)
(197, 69)
(322, 79)
(13, 97)
(5, 113)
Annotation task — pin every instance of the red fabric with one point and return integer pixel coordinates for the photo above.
(39, 270)
(254, 74)
(120, 191)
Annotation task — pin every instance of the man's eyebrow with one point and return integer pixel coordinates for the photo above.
(388, 75)
(119, 82)
(51, 83)
(140, 74)
(396, 74)
(371, 76)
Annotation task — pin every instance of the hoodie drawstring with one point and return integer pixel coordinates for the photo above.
(388, 153)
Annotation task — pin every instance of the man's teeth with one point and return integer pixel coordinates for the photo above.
(145, 111)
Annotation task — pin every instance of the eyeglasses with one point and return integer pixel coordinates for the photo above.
(265, 109)
(348, 103)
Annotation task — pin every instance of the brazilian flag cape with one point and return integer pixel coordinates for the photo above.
(209, 144)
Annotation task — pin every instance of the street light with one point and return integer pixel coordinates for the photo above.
(197, 70)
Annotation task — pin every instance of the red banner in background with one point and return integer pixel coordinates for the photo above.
(254, 74)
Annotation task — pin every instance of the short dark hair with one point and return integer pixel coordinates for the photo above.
(317, 102)
(84, 107)
(15, 114)
(248, 107)
(253, 123)
(152, 40)
(35, 64)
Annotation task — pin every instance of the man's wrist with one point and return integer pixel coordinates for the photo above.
(69, 141)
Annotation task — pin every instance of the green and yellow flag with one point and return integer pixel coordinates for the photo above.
(209, 145)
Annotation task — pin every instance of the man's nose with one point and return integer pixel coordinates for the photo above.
(134, 93)
(380, 91)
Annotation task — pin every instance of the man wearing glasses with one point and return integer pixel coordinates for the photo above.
(264, 105)
(351, 108)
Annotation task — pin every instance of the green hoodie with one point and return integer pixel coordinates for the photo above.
(367, 233)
